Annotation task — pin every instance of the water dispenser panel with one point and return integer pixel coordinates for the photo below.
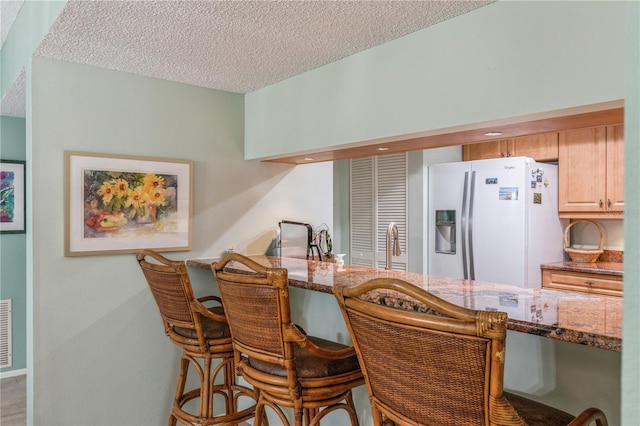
(445, 231)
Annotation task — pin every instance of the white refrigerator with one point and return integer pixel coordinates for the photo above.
(494, 220)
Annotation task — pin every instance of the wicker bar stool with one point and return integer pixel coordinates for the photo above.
(443, 366)
(203, 335)
(286, 367)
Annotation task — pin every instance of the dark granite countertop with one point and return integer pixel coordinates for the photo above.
(603, 268)
(586, 319)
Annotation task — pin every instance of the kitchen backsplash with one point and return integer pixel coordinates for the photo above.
(588, 237)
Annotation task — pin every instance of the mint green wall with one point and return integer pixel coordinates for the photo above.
(31, 24)
(13, 281)
(118, 311)
(631, 320)
(503, 60)
(97, 338)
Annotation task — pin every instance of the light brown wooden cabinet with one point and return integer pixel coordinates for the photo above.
(582, 282)
(591, 172)
(542, 147)
(486, 150)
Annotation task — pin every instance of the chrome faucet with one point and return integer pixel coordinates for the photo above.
(392, 242)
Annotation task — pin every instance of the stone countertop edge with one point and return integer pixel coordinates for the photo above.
(602, 268)
(576, 311)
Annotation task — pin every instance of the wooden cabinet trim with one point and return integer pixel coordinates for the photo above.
(540, 147)
(615, 168)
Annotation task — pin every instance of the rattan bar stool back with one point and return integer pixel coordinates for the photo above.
(203, 335)
(286, 367)
(443, 365)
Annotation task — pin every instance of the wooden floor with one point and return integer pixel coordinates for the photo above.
(13, 401)
(13, 397)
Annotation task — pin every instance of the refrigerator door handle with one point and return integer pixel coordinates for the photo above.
(472, 271)
(465, 270)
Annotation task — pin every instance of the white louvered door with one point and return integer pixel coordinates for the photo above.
(378, 197)
(362, 212)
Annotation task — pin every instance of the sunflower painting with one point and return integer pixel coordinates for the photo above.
(128, 201)
(122, 204)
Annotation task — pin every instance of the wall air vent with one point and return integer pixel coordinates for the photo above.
(5, 333)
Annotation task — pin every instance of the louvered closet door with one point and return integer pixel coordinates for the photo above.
(378, 197)
(362, 212)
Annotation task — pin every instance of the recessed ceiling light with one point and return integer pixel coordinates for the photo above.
(309, 158)
(493, 134)
(382, 148)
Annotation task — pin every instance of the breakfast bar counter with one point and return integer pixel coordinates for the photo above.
(587, 319)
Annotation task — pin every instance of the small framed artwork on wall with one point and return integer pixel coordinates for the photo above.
(12, 197)
(123, 204)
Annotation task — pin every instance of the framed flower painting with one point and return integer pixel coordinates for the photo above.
(123, 204)
(12, 197)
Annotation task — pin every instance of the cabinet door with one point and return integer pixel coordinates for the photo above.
(582, 170)
(543, 147)
(485, 150)
(615, 168)
(582, 282)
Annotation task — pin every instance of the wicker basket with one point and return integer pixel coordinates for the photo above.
(583, 255)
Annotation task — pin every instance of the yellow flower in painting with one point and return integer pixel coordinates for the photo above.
(156, 196)
(107, 191)
(137, 198)
(121, 188)
(152, 182)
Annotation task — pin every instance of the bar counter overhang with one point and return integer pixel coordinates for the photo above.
(592, 320)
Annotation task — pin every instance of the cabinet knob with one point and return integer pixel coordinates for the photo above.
(600, 203)
(508, 154)
(502, 154)
(589, 282)
(608, 202)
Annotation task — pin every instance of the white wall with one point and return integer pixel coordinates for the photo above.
(507, 59)
(100, 356)
(631, 337)
(587, 236)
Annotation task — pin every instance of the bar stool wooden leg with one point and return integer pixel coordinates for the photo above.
(203, 335)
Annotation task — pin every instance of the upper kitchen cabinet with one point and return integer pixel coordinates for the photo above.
(486, 150)
(542, 147)
(591, 172)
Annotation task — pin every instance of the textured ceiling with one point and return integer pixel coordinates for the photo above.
(8, 11)
(235, 46)
(13, 101)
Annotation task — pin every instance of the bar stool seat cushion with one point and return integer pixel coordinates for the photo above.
(211, 329)
(537, 414)
(311, 366)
